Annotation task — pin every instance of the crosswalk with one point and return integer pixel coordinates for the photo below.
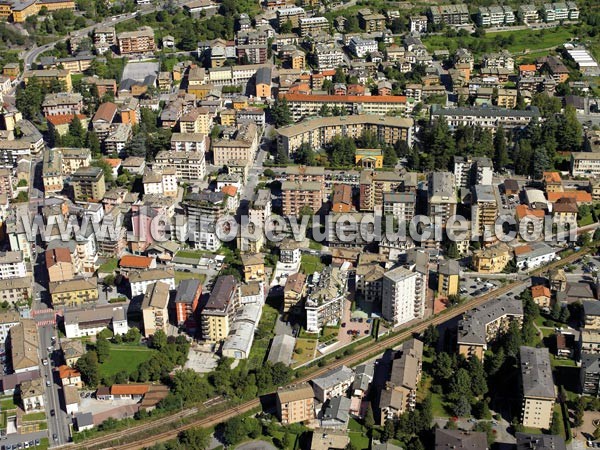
(38, 312)
(43, 323)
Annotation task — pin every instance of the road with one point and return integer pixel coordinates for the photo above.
(363, 352)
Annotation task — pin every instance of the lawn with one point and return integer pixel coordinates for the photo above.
(520, 40)
(124, 358)
(585, 220)
(189, 254)
(260, 346)
(310, 264)
(109, 266)
(7, 403)
(359, 440)
(438, 405)
(34, 416)
(308, 347)
(180, 275)
(314, 245)
(562, 362)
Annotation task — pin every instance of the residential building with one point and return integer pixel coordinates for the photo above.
(203, 210)
(326, 294)
(333, 383)
(31, 393)
(441, 196)
(541, 296)
(329, 55)
(242, 146)
(400, 393)
(403, 296)
(318, 132)
(507, 98)
(449, 14)
(292, 14)
(139, 41)
(362, 47)
(88, 183)
(12, 265)
(495, 16)
(585, 164)
(62, 103)
(533, 255)
(238, 343)
(486, 323)
(52, 177)
(527, 441)
(492, 259)
(336, 413)
(217, 316)
(298, 195)
(16, 291)
(369, 276)
(484, 210)
(69, 376)
(529, 13)
(591, 314)
(8, 319)
(307, 105)
(401, 205)
(485, 117)
(160, 182)
(472, 170)
(140, 281)
(59, 265)
(197, 120)
(313, 25)
(189, 142)
(49, 77)
(295, 403)
(186, 300)
(538, 390)
(460, 440)
(448, 278)
(72, 350)
(293, 292)
(290, 251)
(155, 313)
(418, 24)
(341, 200)
(370, 21)
(254, 267)
(104, 38)
(74, 292)
(23, 341)
(74, 158)
(89, 322)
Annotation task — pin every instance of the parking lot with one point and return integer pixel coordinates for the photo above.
(474, 287)
(201, 360)
(24, 442)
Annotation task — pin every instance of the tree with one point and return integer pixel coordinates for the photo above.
(570, 136)
(93, 143)
(109, 280)
(280, 112)
(77, 134)
(460, 385)
(431, 335)
(579, 412)
(369, 419)
(137, 146)
(389, 157)
(102, 349)
(442, 367)
(286, 27)
(452, 250)
(556, 426)
(339, 76)
(462, 408)
(133, 335)
(106, 169)
(500, 152)
(233, 431)
(388, 431)
(438, 142)
(305, 154)
(342, 151)
(159, 340)
(564, 315)
(541, 161)
(88, 366)
(512, 340)
(479, 385)
(555, 312)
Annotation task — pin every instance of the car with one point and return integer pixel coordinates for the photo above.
(25, 444)
(343, 324)
(31, 443)
(48, 383)
(50, 349)
(366, 331)
(369, 320)
(52, 412)
(349, 332)
(55, 437)
(45, 361)
(37, 442)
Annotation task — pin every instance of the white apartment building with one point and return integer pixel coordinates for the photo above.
(495, 15)
(312, 25)
(362, 47)
(12, 265)
(585, 164)
(188, 166)
(529, 13)
(472, 170)
(160, 182)
(329, 56)
(403, 296)
(332, 384)
(189, 142)
(140, 280)
(325, 302)
(8, 319)
(399, 204)
(418, 24)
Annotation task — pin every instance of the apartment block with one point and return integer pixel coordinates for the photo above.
(160, 182)
(488, 118)
(242, 146)
(448, 278)
(484, 209)
(370, 21)
(538, 390)
(104, 38)
(186, 300)
(295, 403)
(334, 383)
(329, 55)
(292, 14)
(485, 324)
(472, 170)
(49, 77)
(495, 16)
(187, 165)
(297, 195)
(441, 196)
(585, 164)
(403, 295)
(88, 183)
(218, 314)
(318, 132)
(449, 14)
(313, 25)
(12, 265)
(62, 103)
(155, 313)
(529, 13)
(139, 41)
(16, 290)
(74, 292)
(89, 322)
(52, 176)
(326, 293)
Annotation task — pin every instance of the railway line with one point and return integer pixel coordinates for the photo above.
(367, 351)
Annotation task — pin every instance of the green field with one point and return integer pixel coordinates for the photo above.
(518, 41)
(179, 275)
(308, 347)
(34, 416)
(310, 264)
(260, 346)
(124, 358)
(109, 266)
(189, 254)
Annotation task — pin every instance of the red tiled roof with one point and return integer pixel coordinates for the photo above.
(540, 291)
(113, 162)
(57, 255)
(521, 250)
(552, 177)
(524, 211)
(63, 119)
(65, 371)
(345, 98)
(578, 196)
(129, 389)
(137, 262)
(106, 112)
(229, 190)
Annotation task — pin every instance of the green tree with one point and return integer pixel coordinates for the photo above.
(570, 136)
(305, 154)
(388, 431)
(233, 431)
(286, 27)
(77, 134)
(442, 367)
(500, 151)
(557, 425)
(195, 438)
(102, 349)
(512, 340)
(280, 113)
(479, 385)
(93, 143)
(389, 157)
(106, 169)
(431, 335)
(439, 144)
(88, 366)
(369, 419)
(133, 335)
(462, 407)
(342, 151)
(460, 385)
(159, 340)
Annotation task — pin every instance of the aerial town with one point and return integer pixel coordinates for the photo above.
(299, 225)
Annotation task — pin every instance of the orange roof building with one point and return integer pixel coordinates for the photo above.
(578, 196)
(522, 249)
(541, 296)
(65, 371)
(137, 262)
(525, 211)
(129, 390)
(64, 119)
(527, 69)
(229, 190)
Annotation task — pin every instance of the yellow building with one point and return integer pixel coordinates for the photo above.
(552, 182)
(298, 59)
(10, 69)
(216, 317)
(55, 5)
(254, 267)
(507, 98)
(369, 158)
(200, 90)
(21, 11)
(240, 102)
(295, 403)
(228, 117)
(5, 12)
(448, 278)
(50, 76)
(492, 259)
(73, 292)
(154, 308)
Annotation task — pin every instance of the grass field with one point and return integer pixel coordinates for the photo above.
(179, 275)
(308, 346)
(359, 440)
(189, 254)
(517, 41)
(34, 416)
(7, 403)
(125, 358)
(109, 266)
(259, 349)
(310, 264)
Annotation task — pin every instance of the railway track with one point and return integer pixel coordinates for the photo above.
(365, 352)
